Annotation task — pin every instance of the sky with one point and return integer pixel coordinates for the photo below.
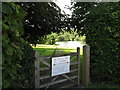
(62, 3)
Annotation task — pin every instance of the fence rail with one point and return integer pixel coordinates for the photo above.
(43, 79)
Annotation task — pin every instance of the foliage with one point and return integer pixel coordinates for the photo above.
(42, 19)
(102, 31)
(64, 35)
(80, 10)
(103, 85)
(14, 51)
(27, 73)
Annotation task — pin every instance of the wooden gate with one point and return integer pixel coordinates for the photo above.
(43, 79)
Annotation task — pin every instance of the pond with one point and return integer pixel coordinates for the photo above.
(72, 44)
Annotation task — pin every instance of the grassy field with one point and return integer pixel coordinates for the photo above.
(46, 50)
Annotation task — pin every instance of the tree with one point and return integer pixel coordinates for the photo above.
(64, 35)
(42, 19)
(80, 11)
(101, 28)
(17, 55)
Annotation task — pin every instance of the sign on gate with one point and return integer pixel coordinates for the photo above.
(60, 65)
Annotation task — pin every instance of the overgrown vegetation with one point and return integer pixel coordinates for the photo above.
(101, 28)
(64, 35)
(17, 56)
(99, 22)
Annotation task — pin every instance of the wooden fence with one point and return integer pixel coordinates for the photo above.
(43, 79)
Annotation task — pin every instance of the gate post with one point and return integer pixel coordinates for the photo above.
(78, 59)
(37, 70)
(86, 65)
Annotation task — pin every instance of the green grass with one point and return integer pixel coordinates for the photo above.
(46, 50)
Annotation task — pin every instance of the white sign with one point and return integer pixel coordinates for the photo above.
(60, 65)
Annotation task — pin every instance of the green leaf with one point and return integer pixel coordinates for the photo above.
(6, 8)
(20, 28)
(109, 28)
(6, 84)
(12, 20)
(5, 39)
(13, 27)
(9, 50)
(21, 14)
(6, 27)
(18, 65)
(14, 71)
(13, 76)
(8, 59)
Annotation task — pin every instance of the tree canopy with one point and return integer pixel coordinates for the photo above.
(80, 11)
(100, 22)
(64, 35)
(42, 18)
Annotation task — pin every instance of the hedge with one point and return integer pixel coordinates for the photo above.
(103, 35)
(17, 56)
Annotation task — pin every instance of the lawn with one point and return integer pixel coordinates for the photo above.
(46, 50)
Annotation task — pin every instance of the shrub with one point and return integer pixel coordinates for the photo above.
(100, 25)
(27, 72)
(18, 57)
(103, 37)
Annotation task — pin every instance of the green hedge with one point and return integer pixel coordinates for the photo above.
(27, 72)
(17, 56)
(103, 35)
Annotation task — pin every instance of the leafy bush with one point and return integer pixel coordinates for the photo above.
(27, 72)
(101, 26)
(17, 67)
(103, 35)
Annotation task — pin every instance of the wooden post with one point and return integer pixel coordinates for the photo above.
(86, 65)
(37, 70)
(78, 59)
